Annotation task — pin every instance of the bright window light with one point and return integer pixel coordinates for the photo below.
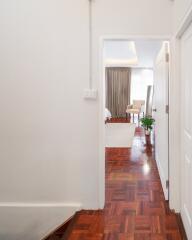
(140, 80)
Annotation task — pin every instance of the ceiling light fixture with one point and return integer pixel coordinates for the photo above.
(120, 53)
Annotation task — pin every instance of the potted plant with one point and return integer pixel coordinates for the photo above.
(147, 124)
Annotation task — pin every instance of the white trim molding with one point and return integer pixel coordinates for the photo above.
(184, 23)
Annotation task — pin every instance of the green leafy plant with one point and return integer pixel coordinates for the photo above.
(147, 123)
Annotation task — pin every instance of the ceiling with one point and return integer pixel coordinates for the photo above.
(139, 53)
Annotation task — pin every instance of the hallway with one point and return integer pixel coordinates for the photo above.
(135, 207)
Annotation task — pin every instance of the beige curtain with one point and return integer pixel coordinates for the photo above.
(118, 84)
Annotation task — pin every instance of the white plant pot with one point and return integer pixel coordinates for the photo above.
(147, 132)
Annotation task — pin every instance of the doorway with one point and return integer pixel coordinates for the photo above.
(132, 180)
(143, 74)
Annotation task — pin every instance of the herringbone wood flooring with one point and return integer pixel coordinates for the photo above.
(135, 207)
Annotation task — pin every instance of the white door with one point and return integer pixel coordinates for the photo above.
(186, 131)
(160, 114)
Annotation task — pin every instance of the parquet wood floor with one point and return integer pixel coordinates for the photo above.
(135, 207)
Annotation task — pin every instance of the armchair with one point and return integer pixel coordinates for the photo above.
(136, 108)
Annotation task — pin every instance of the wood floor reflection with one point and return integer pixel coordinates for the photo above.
(135, 207)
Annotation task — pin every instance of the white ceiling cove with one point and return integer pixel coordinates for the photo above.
(139, 53)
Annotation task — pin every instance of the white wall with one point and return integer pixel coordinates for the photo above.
(27, 221)
(49, 137)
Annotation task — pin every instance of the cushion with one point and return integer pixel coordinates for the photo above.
(133, 110)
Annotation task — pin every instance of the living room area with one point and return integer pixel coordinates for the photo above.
(129, 85)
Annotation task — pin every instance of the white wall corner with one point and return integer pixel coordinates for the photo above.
(32, 221)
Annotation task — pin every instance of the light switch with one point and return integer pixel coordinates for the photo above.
(90, 94)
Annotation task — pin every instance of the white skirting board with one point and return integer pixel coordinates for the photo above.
(29, 221)
(162, 177)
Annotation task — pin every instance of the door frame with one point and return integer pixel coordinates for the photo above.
(164, 175)
(101, 114)
(175, 110)
(176, 40)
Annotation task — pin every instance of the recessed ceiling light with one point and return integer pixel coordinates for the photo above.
(120, 53)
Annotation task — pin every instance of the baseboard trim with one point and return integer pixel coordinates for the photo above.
(181, 227)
